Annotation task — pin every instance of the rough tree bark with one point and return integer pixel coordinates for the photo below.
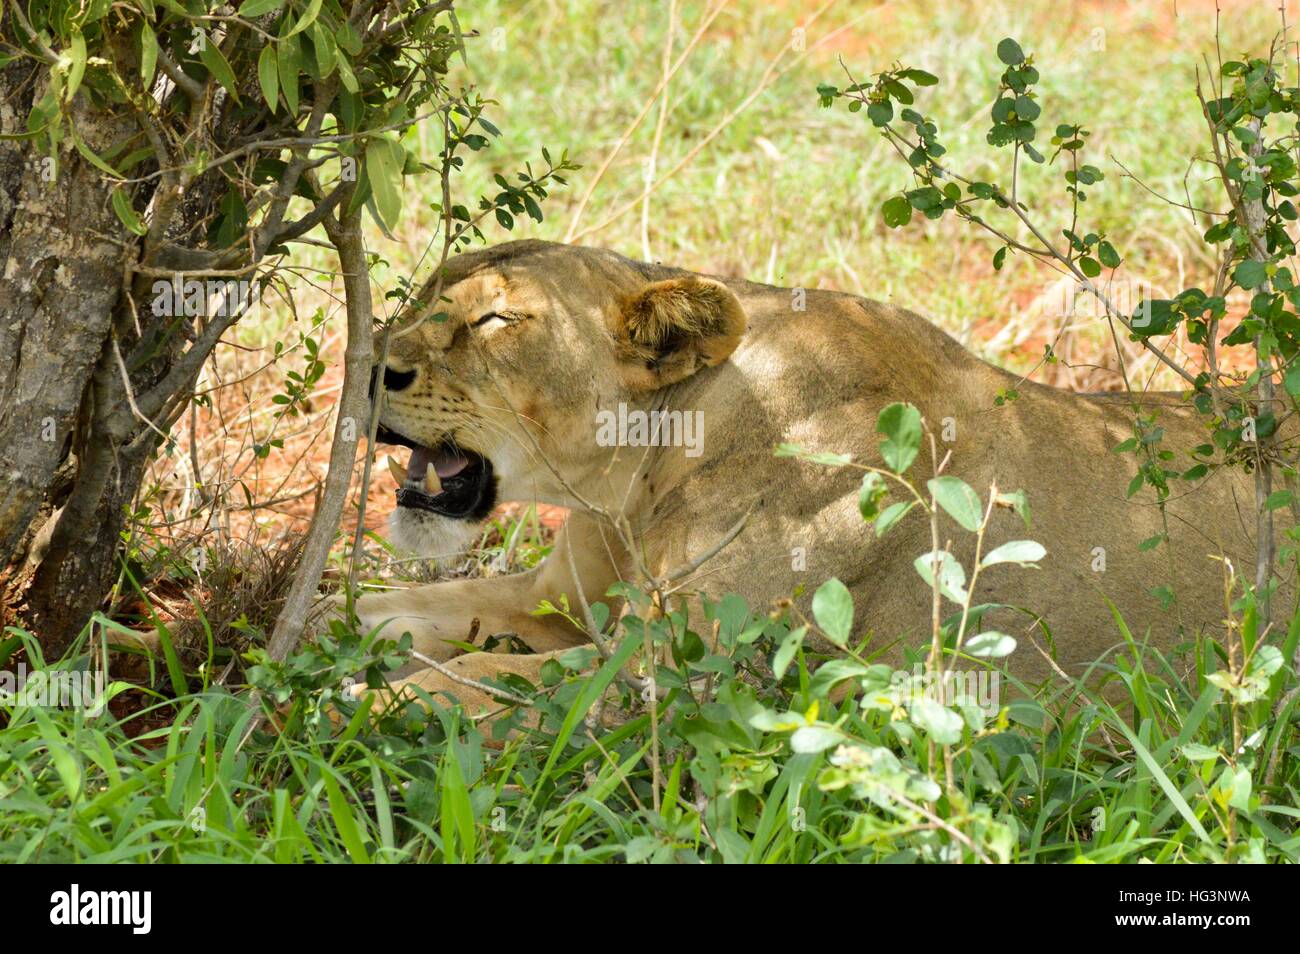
(63, 255)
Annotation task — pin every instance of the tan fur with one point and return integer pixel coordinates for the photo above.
(597, 329)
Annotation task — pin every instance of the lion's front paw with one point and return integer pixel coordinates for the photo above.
(460, 680)
(392, 614)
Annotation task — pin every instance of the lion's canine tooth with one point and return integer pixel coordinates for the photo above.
(432, 482)
(397, 470)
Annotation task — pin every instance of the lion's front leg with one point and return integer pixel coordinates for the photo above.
(466, 680)
(440, 615)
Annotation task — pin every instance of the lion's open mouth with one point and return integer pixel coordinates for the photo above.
(445, 479)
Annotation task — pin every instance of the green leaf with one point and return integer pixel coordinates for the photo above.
(257, 8)
(148, 52)
(1155, 316)
(268, 75)
(991, 645)
(67, 767)
(307, 19)
(593, 688)
(89, 155)
(322, 42)
(1018, 503)
(952, 578)
(344, 820)
(1277, 500)
(122, 206)
(1168, 787)
(891, 515)
(641, 849)
(1020, 552)
(785, 653)
(346, 75)
(901, 425)
(77, 67)
(815, 738)
(288, 58)
(1010, 53)
(384, 172)
(920, 77)
(926, 199)
(897, 211)
(833, 672)
(1239, 796)
(1109, 257)
(348, 38)
(832, 607)
(899, 92)
(1027, 109)
(938, 721)
(212, 57)
(1264, 663)
(959, 500)
(873, 490)
(1292, 381)
(1250, 274)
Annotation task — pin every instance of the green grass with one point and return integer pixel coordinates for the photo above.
(1160, 763)
(750, 770)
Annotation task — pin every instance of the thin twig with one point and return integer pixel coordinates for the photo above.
(469, 683)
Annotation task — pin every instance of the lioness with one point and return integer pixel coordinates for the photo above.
(530, 385)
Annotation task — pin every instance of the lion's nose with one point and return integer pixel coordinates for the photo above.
(394, 380)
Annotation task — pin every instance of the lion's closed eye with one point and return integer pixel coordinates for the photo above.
(495, 320)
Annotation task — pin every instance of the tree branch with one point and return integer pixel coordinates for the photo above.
(348, 429)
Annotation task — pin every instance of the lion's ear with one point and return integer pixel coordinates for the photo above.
(671, 329)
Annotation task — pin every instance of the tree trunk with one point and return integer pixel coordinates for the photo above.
(72, 451)
(63, 254)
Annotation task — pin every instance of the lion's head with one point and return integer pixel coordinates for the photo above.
(495, 384)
